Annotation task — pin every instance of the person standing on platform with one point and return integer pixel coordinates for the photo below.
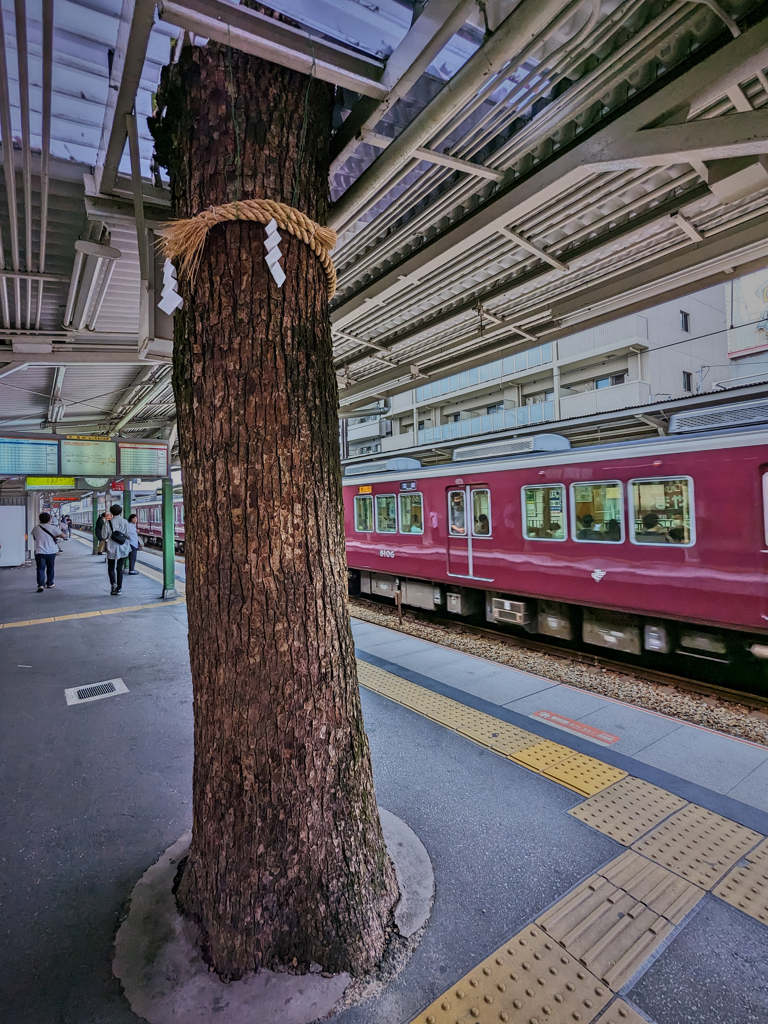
(101, 535)
(46, 549)
(118, 546)
(133, 537)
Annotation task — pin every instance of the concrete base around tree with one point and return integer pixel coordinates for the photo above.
(165, 978)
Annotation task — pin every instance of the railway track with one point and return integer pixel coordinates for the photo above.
(694, 687)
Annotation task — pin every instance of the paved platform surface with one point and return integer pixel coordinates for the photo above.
(724, 764)
(92, 794)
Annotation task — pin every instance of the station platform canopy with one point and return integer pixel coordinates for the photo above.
(502, 174)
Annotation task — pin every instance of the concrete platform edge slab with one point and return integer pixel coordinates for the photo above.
(720, 803)
(165, 979)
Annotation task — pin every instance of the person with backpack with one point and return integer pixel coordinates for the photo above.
(46, 549)
(116, 534)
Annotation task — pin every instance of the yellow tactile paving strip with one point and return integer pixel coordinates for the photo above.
(606, 929)
(530, 978)
(621, 1013)
(614, 921)
(663, 891)
(627, 810)
(747, 887)
(582, 774)
(698, 844)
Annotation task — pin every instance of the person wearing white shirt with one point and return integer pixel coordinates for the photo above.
(114, 523)
(46, 549)
(133, 537)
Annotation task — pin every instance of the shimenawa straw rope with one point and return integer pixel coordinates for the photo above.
(183, 240)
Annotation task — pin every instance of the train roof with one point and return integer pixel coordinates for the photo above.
(742, 437)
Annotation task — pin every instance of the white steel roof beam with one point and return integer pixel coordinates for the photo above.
(478, 170)
(56, 407)
(530, 247)
(136, 19)
(713, 138)
(512, 38)
(561, 174)
(10, 368)
(438, 22)
(255, 33)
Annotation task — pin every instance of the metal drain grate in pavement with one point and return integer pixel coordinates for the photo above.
(96, 691)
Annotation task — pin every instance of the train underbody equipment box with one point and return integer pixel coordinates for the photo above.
(499, 608)
(554, 620)
(418, 594)
(613, 630)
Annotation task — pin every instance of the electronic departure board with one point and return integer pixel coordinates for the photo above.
(143, 459)
(88, 458)
(26, 457)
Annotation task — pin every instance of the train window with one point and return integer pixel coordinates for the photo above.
(386, 513)
(411, 513)
(456, 515)
(143, 515)
(663, 511)
(481, 513)
(544, 512)
(597, 512)
(364, 513)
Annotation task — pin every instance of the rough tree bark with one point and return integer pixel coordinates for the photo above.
(287, 863)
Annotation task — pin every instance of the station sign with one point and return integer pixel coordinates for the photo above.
(47, 483)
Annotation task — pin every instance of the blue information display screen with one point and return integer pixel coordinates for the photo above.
(26, 457)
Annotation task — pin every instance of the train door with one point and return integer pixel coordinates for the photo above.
(459, 545)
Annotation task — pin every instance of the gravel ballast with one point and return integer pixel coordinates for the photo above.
(710, 711)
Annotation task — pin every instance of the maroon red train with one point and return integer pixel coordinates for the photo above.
(653, 548)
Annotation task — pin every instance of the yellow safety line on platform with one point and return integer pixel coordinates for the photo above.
(90, 615)
(583, 774)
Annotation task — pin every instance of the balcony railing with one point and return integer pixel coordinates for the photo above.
(619, 396)
(522, 417)
(516, 363)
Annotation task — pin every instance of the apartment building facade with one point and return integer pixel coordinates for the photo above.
(672, 350)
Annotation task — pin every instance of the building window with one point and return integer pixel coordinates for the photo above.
(618, 378)
(687, 382)
(685, 321)
(456, 418)
(544, 512)
(421, 424)
(663, 511)
(603, 382)
(491, 409)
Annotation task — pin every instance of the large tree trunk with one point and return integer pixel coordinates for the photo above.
(288, 863)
